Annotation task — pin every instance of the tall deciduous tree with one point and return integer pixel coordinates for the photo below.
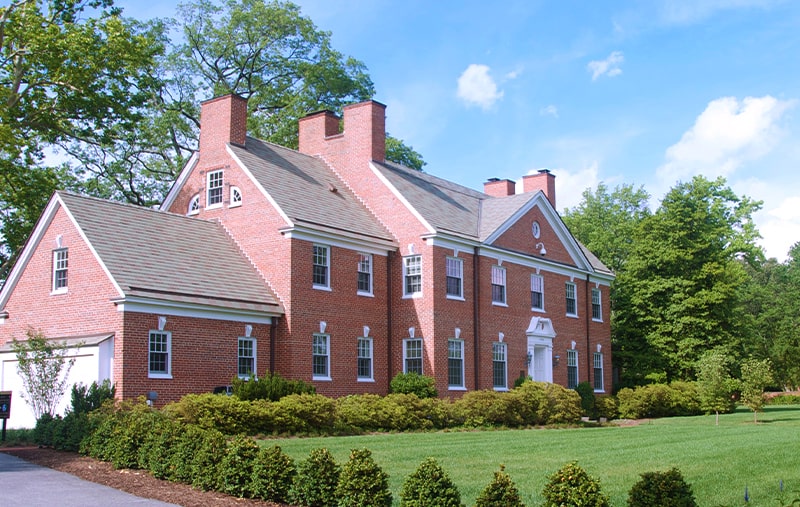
(681, 289)
(64, 78)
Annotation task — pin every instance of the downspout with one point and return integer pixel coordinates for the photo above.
(589, 369)
(389, 306)
(476, 319)
(272, 340)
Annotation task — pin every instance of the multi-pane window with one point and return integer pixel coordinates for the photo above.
(572, 369)
(364, 273)
(321, 266)
(455, 363)
(537, 292)
(194, 205)
(247, 357)
(60, 265)
(598, 372)
(498, 285)
(158, 359)
(499, 366)
(365, 358)
(597, 307)
(412, 275)
(215, 185)
(455, 277)
(412, 355)
(236, 197)
(320, 357)
(572, 301)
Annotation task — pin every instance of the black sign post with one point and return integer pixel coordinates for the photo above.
(5, 409)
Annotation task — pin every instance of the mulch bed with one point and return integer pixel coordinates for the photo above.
(136, 482)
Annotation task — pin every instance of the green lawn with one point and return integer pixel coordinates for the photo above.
(717, 460)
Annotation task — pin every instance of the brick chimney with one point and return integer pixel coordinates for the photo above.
(223, 120)
(364, 136)
(499, 188)
(543, 180)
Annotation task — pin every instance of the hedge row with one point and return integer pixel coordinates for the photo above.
(138, 437)
(531, 404)
(659, 400)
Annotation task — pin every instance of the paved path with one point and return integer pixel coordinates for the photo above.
(25, 484)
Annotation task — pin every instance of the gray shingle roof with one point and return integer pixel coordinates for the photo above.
(301, 186)
(170, 257)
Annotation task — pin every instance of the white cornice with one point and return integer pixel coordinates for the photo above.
(340, 239)
(147, 305)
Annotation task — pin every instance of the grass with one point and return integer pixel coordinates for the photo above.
(718, 461)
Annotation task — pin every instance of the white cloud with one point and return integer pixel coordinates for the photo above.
(608, 67)
(476, 87)
(728, 133)
(550, 110)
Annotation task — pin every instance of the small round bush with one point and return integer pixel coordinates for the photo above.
(661, 489)
(501, 492)
(362, 483)
(314, 484)
(414, 383)
(573, 487)
(429, 486)
(236, 468)
(273, 473)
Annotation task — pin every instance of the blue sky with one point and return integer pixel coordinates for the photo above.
(634, 92)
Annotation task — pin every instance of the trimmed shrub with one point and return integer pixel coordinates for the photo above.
(571, 486)
(271, 386)
(66, 433)
(86, 399)
(783, 399)
(606, 407)
(685, 398)
(272, 475)
(158, 446)
(661, 489)
(588, 400)
(314, 485)
(414, 383)
(236, 468)
(501, 492)
(207, 460)
(488, 408)
(541, 403)
(304, 413)
(362, 483)
(429, 486)
(659, 400)
(227, 414)
(185, 448)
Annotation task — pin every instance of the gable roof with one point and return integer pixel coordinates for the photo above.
(154, 255)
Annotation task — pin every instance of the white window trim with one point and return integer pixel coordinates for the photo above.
(574, 353)
(235, 203)
(602, 372)
(65, 288)
(503, 303)
(371, 377)
(540, 277)
(371, 278)
(417, 294)
(194, 205)
(460, 263)
(599, 304)
(168, 374)
(575, 298)
(421, 350)
(208, 189)
(255, 357)
(327, 286)
(505, 361)
(327, 357)
(463, 385)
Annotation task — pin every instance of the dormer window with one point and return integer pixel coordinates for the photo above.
(215, 185)
(194, 205)
(236, 197)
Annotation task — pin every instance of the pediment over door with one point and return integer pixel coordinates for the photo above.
(541, 327)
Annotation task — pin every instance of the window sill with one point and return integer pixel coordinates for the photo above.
(365, 294)
(322, 379)
(597, 320)
(455, 298)
(504, 305)
(193, 213)
(456, 388)
(501, 389)
(416, 295)
(539, 310)
(601, 391)
(235, 205)
(322, 287)
(368, 380)
(214, 206)
(572, 315)
(164, 376)
(58, 292)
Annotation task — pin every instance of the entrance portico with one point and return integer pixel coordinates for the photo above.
(540, 349)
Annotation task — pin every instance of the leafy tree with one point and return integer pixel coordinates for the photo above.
(398, 152)
(756, 376)
(44, 367)
(715, 383)
(501, 492)
(64, 78)
(679, 294)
